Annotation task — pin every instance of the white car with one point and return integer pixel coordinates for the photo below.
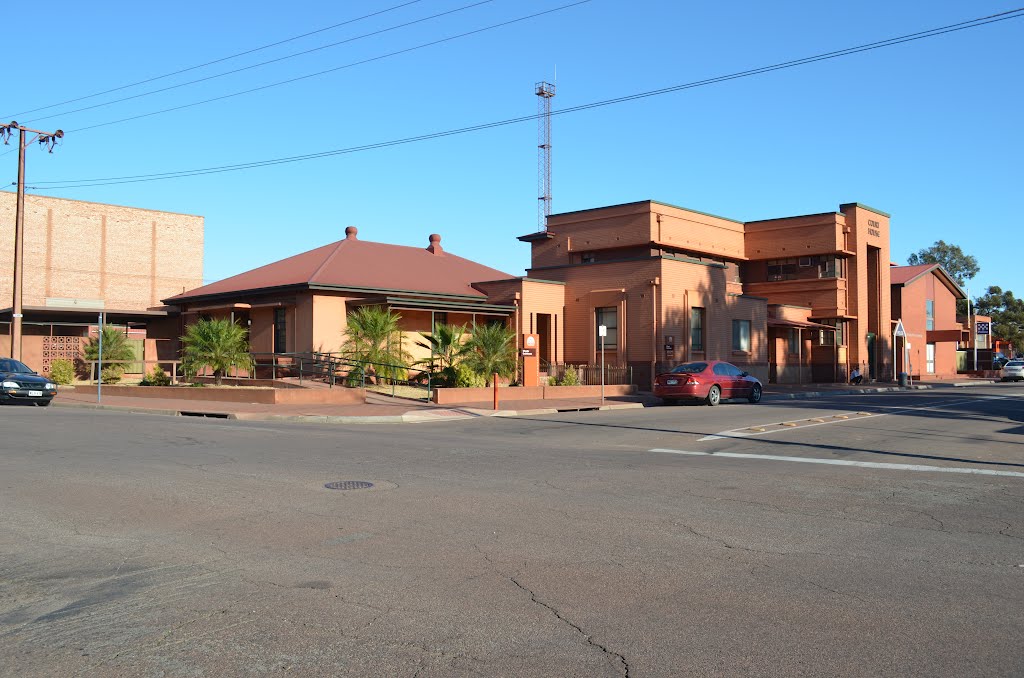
(1012, 371)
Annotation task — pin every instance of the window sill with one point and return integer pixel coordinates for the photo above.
(741, 352)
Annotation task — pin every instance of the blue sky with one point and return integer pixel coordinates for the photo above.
(929, 131)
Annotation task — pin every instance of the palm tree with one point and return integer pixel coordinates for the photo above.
(115, 348)
(491, 350)
(374, 337)
(216, 343)
(446, 348)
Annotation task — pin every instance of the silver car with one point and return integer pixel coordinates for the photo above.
(1012, 371)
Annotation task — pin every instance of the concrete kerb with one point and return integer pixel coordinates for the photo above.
(807, 395)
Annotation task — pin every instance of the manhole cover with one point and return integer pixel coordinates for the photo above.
(348, 485)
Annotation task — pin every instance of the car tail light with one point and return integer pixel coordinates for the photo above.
(691, 381)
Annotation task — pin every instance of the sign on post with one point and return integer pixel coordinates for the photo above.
(982, 328)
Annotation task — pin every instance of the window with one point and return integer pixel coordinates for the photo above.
(690, 368)
(697, 329)
(806, 268)
(609, 317)
(929, 314)
(741, 335)
(440, 318)
(588, 258)
(280, 330)
(825, 337)
(794, 341)
(930, 358)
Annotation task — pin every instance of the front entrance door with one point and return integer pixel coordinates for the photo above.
(871, 356)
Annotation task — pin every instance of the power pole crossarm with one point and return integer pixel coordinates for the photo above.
(48, 139)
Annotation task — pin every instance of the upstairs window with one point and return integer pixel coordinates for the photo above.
(929, 314)
(806, 268)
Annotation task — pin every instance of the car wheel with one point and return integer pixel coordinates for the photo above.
(755, 394)
(714, 396)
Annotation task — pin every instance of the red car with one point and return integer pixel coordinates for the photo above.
(707, 380)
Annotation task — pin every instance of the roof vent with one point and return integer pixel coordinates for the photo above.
(435, 244)
(351, 232)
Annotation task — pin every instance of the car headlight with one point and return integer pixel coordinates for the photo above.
(10, 384)
(51, 387)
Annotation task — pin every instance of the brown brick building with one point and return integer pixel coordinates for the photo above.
(82, 258)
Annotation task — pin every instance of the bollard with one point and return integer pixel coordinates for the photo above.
(495, 382)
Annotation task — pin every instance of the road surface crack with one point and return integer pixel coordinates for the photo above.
(611, 654)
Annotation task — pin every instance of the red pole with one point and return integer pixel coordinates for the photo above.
(495, 382)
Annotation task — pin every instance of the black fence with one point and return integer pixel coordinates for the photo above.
(590, 375)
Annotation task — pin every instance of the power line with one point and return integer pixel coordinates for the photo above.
(336, 68)
(889, 42)
(262, 63)
(216, 61)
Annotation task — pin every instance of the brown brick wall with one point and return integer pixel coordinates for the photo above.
(130, 258)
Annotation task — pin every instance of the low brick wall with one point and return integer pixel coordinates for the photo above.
(266, 396)
(448, 396)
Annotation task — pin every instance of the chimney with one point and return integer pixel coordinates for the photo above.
(351, 232)
(435, 244)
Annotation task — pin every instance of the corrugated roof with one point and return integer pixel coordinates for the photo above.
(353, 263)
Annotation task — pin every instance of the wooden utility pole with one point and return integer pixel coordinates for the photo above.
(48, 139)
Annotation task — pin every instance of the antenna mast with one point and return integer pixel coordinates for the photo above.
(545, 91)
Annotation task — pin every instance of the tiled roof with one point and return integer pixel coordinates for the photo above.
(901, 275)
(353, 263)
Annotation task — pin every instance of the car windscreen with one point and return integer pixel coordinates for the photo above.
(690, 368)
(14, 366)
(1015, 363)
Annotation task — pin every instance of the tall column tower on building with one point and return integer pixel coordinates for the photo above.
(545, 91)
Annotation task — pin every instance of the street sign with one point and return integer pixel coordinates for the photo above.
(602, 330)
(900, 331)
(982, 328)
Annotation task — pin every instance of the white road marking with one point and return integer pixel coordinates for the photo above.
(847, 462)
(747, 432)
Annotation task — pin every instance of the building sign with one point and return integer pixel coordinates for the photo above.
(529, 352)
(874, 228)
(531, 340)
(982, 328)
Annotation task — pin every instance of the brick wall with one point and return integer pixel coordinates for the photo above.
(130, 258)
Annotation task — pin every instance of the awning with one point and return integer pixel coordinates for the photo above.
(407, 304)
(57, 315)
(799, 324)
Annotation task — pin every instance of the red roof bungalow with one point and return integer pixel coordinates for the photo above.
(300, 304)
(924, 297)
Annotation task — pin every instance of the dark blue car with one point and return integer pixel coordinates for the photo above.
(20, 384)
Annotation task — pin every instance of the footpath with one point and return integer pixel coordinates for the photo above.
(380, 409)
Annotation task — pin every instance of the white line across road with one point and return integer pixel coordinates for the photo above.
(839, 418)
(847, 462)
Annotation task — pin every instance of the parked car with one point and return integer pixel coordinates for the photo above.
(1012, 371)
(20, 384)
(707, 380)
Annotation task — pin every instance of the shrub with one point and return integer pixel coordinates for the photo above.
(115, 348)
(373, 336)
(570, 378)
(156, 378)
(62, 372)
(112, 374)
(491, 350)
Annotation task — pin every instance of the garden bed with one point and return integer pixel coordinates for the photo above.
(448, 396)
(237, 394)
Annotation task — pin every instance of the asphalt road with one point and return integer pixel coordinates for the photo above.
(844, 536)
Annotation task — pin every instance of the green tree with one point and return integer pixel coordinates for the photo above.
(115, 348)
(216, 343)
(1007, 313)
(961, 267)
(491, 349)
(374, 336)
